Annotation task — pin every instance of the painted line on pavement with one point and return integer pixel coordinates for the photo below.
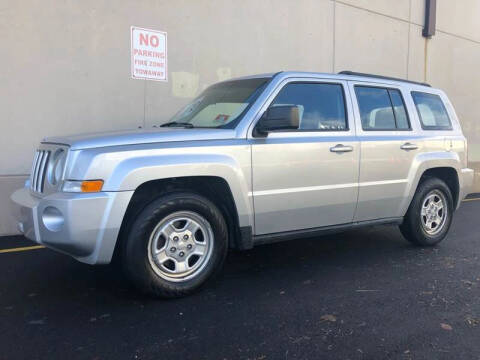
(26, 248)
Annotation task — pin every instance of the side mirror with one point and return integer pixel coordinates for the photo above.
(278, 118)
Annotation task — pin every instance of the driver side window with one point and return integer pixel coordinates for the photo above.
(321, 105)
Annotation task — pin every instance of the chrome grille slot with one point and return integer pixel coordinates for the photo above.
(39, 168)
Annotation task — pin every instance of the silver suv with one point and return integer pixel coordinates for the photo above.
(250, 161)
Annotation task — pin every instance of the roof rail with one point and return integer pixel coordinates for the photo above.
(353, 73)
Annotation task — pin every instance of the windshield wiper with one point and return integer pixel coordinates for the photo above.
(177, 124)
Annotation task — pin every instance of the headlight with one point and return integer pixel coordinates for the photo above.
(86, 186)
(56, 167)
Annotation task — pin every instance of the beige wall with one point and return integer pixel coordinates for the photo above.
(65, 65)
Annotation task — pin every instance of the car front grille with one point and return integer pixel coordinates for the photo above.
(39, 168)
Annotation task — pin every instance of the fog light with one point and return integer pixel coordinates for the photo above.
(52, 219)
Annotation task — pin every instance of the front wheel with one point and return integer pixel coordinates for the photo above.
(429, 216)
(175, 245)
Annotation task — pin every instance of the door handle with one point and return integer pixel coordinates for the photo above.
(409, 146)
(340, 148)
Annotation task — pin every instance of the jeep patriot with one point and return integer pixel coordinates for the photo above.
(249, 161)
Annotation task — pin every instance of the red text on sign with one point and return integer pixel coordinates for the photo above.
(149, 40)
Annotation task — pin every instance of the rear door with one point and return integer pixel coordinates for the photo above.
(389, 145)
(307, 178)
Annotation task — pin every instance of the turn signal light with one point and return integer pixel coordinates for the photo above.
(91, 186)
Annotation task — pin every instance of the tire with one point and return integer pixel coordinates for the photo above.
(415, 227)
(165, 241)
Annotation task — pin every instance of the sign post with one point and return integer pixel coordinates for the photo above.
(148, 54)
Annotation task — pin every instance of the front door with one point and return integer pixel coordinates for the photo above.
(307, 178)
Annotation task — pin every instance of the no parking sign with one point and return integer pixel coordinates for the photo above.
(149, 54)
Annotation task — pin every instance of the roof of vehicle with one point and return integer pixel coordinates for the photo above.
(344, 75)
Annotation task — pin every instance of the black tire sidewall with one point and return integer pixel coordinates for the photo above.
(135, 255)
(413, 228)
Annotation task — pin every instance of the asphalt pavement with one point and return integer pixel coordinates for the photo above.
(363, 294)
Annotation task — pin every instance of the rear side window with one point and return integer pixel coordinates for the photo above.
(321, 105)
(381, 108)
(432, 112)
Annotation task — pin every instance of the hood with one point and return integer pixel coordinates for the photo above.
(140, 136)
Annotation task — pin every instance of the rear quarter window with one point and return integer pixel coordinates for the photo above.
(431, 111)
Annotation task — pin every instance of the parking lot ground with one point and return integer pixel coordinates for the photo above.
(364, 294)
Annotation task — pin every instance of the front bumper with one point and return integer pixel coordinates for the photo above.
(85, 226)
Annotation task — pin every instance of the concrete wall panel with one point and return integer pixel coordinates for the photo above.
(397, 8)
(8, 184)
(459, 18)
(65, 69)
(368, 42)
(245, 38)
(453, 66)
(454, 17)
(416, 54)
(417, 12)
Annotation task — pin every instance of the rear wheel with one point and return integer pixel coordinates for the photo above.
(429, 216)
(175, 245)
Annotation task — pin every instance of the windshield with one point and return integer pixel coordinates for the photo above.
(221, 105)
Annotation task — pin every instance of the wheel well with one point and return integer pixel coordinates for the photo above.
(214, 188)
(448, 175)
